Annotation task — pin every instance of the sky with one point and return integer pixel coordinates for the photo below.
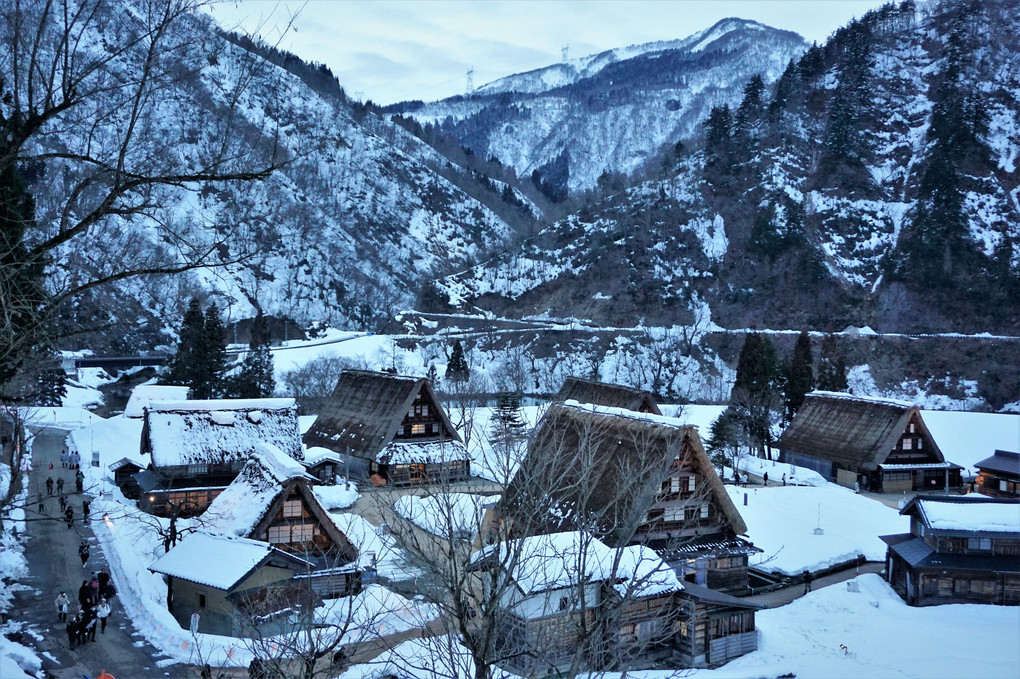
(394, 50)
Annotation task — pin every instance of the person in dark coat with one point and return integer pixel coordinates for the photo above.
(49, 485)
(79, 482)
(807, 581)
(85, 505)
(257, 670)
(69, 516)
(72, 630)
(85, 594)
(766, 479)
(83, 552)
(91, 623)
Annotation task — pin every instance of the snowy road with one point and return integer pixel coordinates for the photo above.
(54, 566)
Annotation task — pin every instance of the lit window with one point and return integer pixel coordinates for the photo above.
(278, 534)
(908, 444)
(291, 509)
(417, 429)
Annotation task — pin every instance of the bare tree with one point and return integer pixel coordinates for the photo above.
(313, 382)
(546, 531)
(91, 94)
(461, 399)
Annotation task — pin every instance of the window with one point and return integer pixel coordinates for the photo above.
(292, 509)
(1003, 486)
(279, 534)
(704, 511)
(908, 444)
(911, 427)
(673, 514)
(982, 587)
(674, 484)
(961, 586)
(690, 484)
(919, 442)
(201, 600)
(198, 468)
(417, 429)
(980, 544)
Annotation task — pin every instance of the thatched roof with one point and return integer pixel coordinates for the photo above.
(606, 394)
(218, 431)
(367, 408)
(586, 461)
(854, 432)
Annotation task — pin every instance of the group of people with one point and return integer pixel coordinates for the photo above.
(93, 607)
(70, 460)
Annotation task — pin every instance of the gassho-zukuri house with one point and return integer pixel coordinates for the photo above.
(867, 443)
(196, 448)
(607, 394)
(959, 550)
(390, 429)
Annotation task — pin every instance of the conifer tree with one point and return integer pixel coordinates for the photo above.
(756, 392)
(457, 369)
(186, 364)
(507, 421)
(799, 376)
(214, 355)
(255, 378)
(831, 366)
(432, 375)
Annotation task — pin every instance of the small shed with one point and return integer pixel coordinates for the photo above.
(867, 443)
(999, 475)
(124, 471)
(391, 429)
(206, 573)
(607, 394)
(323, 464)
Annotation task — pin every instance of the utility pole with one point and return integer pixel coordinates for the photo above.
(469, 87)
(565, 50)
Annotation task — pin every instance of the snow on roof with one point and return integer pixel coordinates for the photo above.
(871, 399)
(336, 497)
(647, 573)
(316, 454)
(238, 509)
(213, 560)
(218, 431)
(630, 414)
(556, 560)
(982, 516)
(422, 452)
(224, 404)
(146, 394)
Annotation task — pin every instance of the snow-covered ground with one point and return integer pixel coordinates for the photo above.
(781, 521)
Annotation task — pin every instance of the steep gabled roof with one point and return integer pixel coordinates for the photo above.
(366, 409)
(242, 505)
(587, 463)
(219, 561)
(606, 394)
(849, 430)
(218, 431)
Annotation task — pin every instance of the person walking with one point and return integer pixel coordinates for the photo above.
(63, 458)
(60, 485)
(85, 506)
(84, 594)
(79, 482)
(807, 581)
(91, 624)
(83, 552)
(72, 630)
(62, 603)
(103, 612)
(784, 479)
(42, 503)
(94, 586)
(69, 516)
(63, 502)
(49, 485)
(765, 482)
(83, 621)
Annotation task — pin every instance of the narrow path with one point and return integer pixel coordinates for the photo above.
(781, 597)
(54, 566)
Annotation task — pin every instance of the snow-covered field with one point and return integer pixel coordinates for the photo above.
(781, 521)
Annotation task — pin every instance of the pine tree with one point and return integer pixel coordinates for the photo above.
(457, 370)
(756, 392)
(255, 378)
(831, 366)
(507, 421)
(214, 355)
(432, 375)
(186, 364)
(799, 376)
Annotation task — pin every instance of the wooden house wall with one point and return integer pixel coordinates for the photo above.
(422, 421)
(998, 484)
(296, 530)
(193, 501)
(538, 645)
(416, 474)
(715, 633)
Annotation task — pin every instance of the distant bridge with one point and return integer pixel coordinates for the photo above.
(114, 362)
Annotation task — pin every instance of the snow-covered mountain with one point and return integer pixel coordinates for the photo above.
(347, 229)
(612, 111)
(874, 185)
